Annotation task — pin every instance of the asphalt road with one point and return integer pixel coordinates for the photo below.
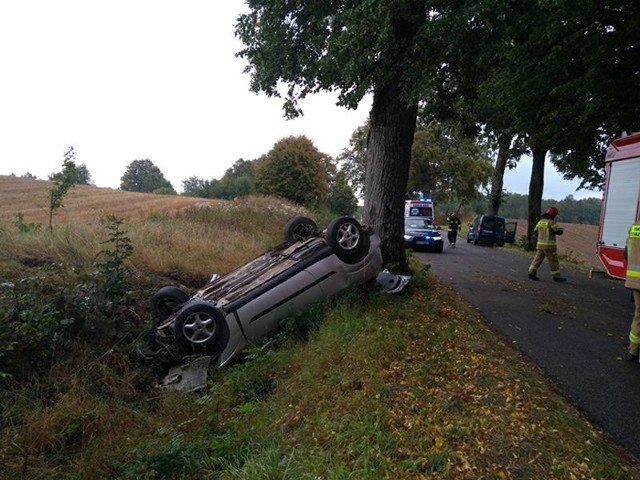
(576, 332)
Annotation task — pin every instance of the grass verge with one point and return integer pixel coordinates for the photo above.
(371, 385)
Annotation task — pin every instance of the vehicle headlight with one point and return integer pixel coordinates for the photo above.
(437, 237)
(407, 237)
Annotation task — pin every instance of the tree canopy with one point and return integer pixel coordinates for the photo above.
(447, 165)
(543, 77)
(293, 169)
(144, 176)
(80, 175)
(394, 50)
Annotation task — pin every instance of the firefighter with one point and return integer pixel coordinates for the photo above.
(546, 247)
(452, 231)
(632, 281)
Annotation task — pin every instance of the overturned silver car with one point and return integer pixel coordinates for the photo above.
(232, 311)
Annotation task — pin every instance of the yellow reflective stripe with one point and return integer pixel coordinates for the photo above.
(634, 231)
(635, 339)
(633, 273)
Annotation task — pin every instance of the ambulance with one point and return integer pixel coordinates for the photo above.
(419, 208)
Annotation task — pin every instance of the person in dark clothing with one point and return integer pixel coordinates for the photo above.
(454, 227)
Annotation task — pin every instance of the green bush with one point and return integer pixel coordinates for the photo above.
(46, 312)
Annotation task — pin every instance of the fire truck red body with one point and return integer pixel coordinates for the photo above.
(620, 203)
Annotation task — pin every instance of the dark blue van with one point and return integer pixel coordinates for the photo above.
(490, 229)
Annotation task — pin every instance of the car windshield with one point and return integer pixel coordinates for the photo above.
(417, 223)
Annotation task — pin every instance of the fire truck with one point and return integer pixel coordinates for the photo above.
(620, 202)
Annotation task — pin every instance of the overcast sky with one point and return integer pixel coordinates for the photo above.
(127, 80)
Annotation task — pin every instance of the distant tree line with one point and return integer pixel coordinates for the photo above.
(514, 205)
(452, 169)
(293, 169)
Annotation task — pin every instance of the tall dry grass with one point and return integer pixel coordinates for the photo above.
(183, 238)
(206, 240)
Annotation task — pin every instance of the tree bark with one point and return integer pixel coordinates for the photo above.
(536, 185)
(497, 180)
(392, 124)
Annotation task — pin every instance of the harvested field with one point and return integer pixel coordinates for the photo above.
(578, 243)
(84, 203)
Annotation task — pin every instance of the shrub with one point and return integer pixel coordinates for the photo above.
(47, 311)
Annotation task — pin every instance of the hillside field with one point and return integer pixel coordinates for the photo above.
(83, 203)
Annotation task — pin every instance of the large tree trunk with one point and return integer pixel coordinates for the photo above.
(497, 180)
(392, 124)
(536, 186)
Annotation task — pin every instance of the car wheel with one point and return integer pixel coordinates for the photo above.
(475, 241)
(501, 244)
(299, 229)
(346, 237)
(439, 249)
(200, 327)
(167, 301)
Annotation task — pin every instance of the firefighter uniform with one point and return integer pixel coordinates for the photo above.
(452, 231)
(546, 246)
(632, 254)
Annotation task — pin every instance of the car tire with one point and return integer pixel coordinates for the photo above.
(167, 301)
(439, 249)
(201, 328)
(501, 244)
(347, 239)
(299, 229)
(475, 241)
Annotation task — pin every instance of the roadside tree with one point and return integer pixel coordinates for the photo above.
(451, 168)
(390, 50)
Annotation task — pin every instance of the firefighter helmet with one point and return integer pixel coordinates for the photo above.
(552, 212)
